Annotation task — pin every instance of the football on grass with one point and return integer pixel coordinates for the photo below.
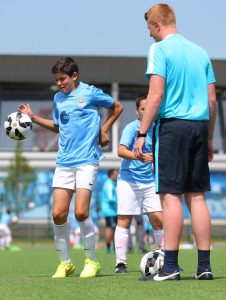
(151, 262)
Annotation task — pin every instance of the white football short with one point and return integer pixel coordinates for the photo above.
(83, 177)
(136, 199)
(4, 230)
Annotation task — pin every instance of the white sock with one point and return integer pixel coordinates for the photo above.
(133, 241)
(159, 240)
(62, 244)
(121, 243)
(77, 239)
(88, 238)
(1, 243)
(8, 240)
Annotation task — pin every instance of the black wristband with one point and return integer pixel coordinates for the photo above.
(141, 134)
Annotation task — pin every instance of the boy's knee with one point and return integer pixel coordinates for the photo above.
(81, 216)
(59, 217)
(157, 226)
(156, 223)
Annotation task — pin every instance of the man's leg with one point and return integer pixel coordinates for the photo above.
(201, 225)
(172, 228)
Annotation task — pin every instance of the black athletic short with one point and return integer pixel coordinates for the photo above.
(181, 156)
(111, 222)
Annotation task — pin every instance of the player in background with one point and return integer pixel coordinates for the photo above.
(182, 102)
(135, 188)
(109, 207)
(137, 234)
(140, 233)
(94, 212)
(74, 231)
(6, 219)
(148, 236)
(76, 118)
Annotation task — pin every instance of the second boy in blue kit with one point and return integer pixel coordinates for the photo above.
(135, 188)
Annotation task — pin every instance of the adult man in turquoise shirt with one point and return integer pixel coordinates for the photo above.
(182, 101)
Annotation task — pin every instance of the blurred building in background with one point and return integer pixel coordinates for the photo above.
(28, 79)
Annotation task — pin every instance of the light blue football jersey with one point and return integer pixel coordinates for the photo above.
(77, 115)
(6, 219)
(136, 171)
(187, 70)
(109, 199)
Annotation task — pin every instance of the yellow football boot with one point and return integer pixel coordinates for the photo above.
(64, 269)
(91, 269)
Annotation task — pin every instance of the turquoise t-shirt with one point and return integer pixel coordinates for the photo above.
(187, 70)
(6, 219)
(109, 199)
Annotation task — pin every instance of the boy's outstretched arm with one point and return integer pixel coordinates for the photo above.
(46, 123)
(114, 111)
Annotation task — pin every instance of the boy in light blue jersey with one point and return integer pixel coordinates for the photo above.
(135, 188)
(76, 118)
(109, 207)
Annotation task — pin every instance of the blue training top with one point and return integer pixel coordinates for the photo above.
(187, 70)
(136, 171)
(109, 199)
(6, 218)
(77, 115)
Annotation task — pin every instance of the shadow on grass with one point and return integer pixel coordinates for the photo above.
(193, 278)
(184, 278)
(77, 276)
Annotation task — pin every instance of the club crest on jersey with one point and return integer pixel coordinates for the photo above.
(81, 101)
(64, 117)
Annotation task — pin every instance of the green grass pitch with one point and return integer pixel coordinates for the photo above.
(27, 275)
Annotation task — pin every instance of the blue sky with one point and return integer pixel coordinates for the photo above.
(102, 27)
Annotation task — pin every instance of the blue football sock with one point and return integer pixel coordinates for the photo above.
(203, 261)
(170, 261)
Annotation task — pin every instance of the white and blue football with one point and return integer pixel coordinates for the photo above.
(18, 126)
(151, 262)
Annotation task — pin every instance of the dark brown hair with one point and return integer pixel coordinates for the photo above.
(65, 65)
(139, 98)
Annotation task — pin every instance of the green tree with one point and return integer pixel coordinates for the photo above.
(20, 176)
